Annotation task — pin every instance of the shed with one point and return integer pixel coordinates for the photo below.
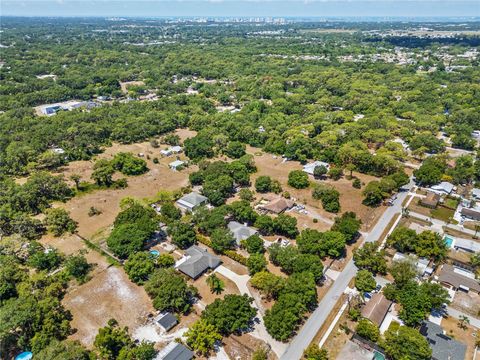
(166, 320)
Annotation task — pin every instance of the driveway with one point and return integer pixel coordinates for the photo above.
(259, 330)
(306, 334)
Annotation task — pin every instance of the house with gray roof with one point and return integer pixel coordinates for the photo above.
(240, 232)
(191, 201)
(310, 168)
(467, 245)
(443, 347)
(196, 261)
(166, 320)
(175, 351)
(443, 188)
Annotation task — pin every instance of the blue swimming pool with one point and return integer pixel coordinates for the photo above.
(155, 252)
(448, 241)
(27, 355)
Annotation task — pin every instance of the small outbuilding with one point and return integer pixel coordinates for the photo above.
(176, 165)
(166, 320)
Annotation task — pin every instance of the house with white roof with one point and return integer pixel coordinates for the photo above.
(192, 201)
(422, 264)
(310, 168)
(443, 188)
(177, 164)
(171, 150)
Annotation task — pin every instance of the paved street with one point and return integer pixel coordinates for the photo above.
(316, 320)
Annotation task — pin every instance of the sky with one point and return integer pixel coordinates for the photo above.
(242, 8)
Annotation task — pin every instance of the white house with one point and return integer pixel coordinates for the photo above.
(191, 201)
(175, 165)
(310, 168)
(171, 150)
(443, 188)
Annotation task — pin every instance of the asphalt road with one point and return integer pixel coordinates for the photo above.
(306, 334)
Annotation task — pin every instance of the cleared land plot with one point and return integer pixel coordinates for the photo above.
(109, 294)
(350, 198)
(124, 85)
(467, 337)
(206, 295)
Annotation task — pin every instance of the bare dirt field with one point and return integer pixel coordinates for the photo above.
(109, 294)
(206, 296)
(159, 177)
(243, 347)
(124, 85)
(350, 198)
(467, 302)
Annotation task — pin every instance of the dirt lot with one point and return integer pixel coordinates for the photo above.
(159, 177)
(124, 85)
(467, 302)
(206, 296)
(242, 347)
(350, 198)
(109, 294)
(467, 337)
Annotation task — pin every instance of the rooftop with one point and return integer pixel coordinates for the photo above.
(166, 320)
(240, 231)
(175, 351)
(443, 347)
(192, 200)
(444, 186)
(198, 261)
(278, 205)
(458, 278)
(376, 309)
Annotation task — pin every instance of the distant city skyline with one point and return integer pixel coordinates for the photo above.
(243, 8)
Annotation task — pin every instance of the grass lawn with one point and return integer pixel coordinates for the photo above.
(442, 213)
(451, 203)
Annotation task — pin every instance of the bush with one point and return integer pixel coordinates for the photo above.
(368, 330)
(263, 184)
(335, 173)
(329, 197)
(356, 183)
(58, 221)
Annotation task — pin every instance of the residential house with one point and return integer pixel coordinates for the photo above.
(278, 205)
(443, 347)
(240, 232)
(175, 351)
(422, 264)
(310, 168)
(431, 200)
(176, 165)
(458, 279)
(171, 150)
(466, 245)
(472, 214)
(476, 194)
(166, 320)
(196, 261)
(376, 309)
(192, 201)
(443, 188)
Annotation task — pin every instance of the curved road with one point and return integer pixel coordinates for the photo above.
(315, 321)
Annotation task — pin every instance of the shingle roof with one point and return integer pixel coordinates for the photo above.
(199, 260)
(471, 213)
(376, 309)
(443, 186)
(175, 351)
(278, 205)
(449, 276)
(443, 347)
(240, 232)
(167, 321)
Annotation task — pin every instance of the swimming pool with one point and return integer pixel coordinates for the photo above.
(155, 252)
(448, 241)
(378, 355)
(27, 355)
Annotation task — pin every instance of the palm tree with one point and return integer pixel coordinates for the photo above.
(216, 285)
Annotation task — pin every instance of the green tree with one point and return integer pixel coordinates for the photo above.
(170, 212)
(285, 225)
(264, 224)
(201, 337)
(103, 171)
(165, 260)
(169, 291)
(368, 330)
(256, 263)
(216, 285)
(320, 171)
(183, 235)
(402, 342)
(348, 224)
(58, 222)
(298, 179)
(269, 284)
(313, 352)
(78, 267)
(263, 184)
(139, 267)
(63, 350)
(235, 149)
(367, 257)
(111, 339)
(222, 239)
(254, 244)
(233, 314)
(364, 281)
(127, 239)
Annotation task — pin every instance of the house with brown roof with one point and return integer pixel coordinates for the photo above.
(458, 279)
(470, 214)
(431, 200)
(278, 205)
(376, 309)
